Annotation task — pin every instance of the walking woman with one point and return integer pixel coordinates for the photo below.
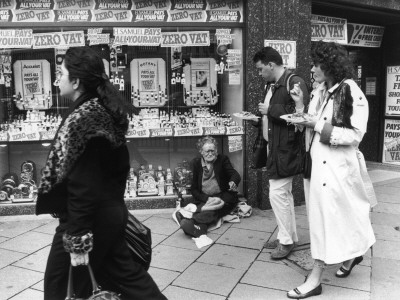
(83, 185)
(338, 200)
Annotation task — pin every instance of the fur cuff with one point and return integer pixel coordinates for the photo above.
(78, 244)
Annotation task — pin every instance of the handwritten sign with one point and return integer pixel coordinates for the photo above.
(137, 36)
(185, 39)
(235, 143)
(15, 38)
(161, 132)
(214, 130)
(58, 39)
(391, 150)
(393, 90)
(328, 29)
(231, 130)
(287, 49)
(365, 35)
(138, 133)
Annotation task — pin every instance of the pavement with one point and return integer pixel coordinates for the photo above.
(234, 266)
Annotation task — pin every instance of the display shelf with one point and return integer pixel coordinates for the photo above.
(7, 208)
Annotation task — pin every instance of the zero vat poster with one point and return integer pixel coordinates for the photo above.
(328, 29)
(391, 147)
(393, 90)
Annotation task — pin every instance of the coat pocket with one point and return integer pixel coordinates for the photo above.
(289, 161)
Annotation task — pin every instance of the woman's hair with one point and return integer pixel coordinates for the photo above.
(333, 59)
(85, 64)
(206, 140)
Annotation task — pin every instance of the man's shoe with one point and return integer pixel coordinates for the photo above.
(282, 251)
(271, 244)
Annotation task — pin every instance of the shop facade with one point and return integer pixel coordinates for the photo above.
(186, 66)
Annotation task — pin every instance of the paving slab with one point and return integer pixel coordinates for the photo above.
(36, 261)
(209, 278)
(180, 240)
(389, 208)
(265, 256)
(336, 293)
(163, 278)
(272, 275)
(221, 230)
(229, 256)
(388, 190)
(385, 279)
(385, 219)
(49, 228)
(8, 257)
(387, 249)
(385, 232)
(28, 242)
(28, 294)
(157, 238)
(359, 279)
(17, 280)
(382, 175)
(172, 258)
(12, 229)
(250, 292)
(243, 238)
(3, 239)
(302, 221)
(259, 220)
(300, 210)
(386, 198)
(161, 225)
(38, 286)
(178, 293)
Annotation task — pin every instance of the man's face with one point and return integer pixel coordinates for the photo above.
(265, 71)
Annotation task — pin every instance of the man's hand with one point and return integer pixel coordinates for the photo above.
(79, 259)
(232, 186)
(263, 108)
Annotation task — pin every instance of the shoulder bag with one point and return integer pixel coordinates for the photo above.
(98, 294)
(138, 238)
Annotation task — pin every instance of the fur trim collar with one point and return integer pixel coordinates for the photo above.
(87, 121)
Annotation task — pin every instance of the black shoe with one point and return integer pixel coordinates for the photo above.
(344, 273)
(298, 295)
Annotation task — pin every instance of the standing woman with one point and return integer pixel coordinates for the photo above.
(83, 185)
(338, 202)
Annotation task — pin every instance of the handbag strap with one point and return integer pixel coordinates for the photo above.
(70, 287)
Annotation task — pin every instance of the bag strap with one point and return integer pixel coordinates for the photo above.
(70, 287)
(288, 82)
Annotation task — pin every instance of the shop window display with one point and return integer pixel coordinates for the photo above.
(178, 94)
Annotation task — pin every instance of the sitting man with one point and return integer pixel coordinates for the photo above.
(214, 189)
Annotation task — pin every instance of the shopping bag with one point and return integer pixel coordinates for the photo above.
(138, 238)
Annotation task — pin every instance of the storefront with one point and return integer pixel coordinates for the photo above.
(186, 65)
(180, 63)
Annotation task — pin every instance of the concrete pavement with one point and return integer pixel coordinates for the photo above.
(235, 266)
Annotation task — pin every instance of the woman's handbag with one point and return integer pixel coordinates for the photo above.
(307, 161)
(259, 151)
(138, 238)
(98, 294)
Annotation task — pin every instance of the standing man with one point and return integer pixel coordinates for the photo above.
(285, 146)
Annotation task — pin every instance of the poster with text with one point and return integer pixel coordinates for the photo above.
(393, 90)
(328, 29)
(287, 49)
(365, 35)
(391, 142)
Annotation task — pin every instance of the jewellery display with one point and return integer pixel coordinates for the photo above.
(150, 182)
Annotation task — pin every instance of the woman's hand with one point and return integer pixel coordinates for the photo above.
(79, 259)
(232, 186)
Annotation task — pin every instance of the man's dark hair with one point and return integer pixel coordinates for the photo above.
(268, 54)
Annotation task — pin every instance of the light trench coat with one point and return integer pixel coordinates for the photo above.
(337, 198)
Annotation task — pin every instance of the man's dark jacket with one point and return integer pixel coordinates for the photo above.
(285, 144)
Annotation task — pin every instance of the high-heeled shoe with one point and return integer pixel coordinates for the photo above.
(298, 295)
(343, 272)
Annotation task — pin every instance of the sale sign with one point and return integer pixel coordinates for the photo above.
(185, 39)
(58, 39)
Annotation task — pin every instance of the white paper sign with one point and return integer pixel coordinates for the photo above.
(287, 49)
(328, 29)
(365, 35)
(393, 90)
